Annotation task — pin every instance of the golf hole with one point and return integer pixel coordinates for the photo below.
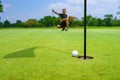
(87, 57)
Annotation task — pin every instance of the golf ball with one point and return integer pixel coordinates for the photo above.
(74, 53)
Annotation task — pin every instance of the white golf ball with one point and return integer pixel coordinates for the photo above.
(74, 53)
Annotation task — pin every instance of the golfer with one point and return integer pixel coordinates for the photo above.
(64, 22)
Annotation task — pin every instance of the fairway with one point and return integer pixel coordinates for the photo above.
(45, 54)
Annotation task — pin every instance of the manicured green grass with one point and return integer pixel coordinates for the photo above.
(45, 54)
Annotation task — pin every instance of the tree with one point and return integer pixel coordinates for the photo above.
(1, 7)
(1, 24)
(91, 21)
(100, 22)
(31, 23)
(108, 19)
(116, 22)
(41, 23)
(48, 21)
(1, 10)
(18, 23)
(7, 23)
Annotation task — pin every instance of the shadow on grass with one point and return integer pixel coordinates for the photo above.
(22, 53)
(29, 52)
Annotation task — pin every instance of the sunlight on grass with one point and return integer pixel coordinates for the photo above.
(45, 54)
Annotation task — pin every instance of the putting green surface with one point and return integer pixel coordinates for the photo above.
(45, 54)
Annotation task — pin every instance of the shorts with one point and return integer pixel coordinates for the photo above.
(63, 24)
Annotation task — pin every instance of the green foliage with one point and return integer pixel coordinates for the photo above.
(18, 22)
(1, 24)
(1, 7)
(6, 24)
(115, 22)
(100, 22)
(108, 19)
(91, 21)
(50, 21)
(30, 23)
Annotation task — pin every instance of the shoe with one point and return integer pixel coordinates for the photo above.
(62, 30)
(58, 26)
(66, 29)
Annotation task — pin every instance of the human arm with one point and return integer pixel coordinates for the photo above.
(69, 18)
(65, 19)
(54, 11)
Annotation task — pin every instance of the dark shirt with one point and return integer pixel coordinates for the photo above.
(63, 16)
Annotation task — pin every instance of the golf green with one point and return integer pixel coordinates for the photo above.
(46, 54)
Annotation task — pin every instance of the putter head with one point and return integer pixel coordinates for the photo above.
(71, 18)
(58, 26)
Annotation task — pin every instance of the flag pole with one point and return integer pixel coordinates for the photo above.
(85, 31)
